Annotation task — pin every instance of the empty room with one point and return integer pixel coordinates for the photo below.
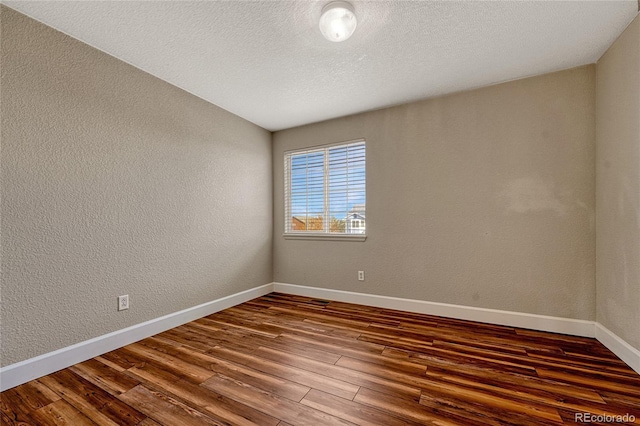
(300, 212)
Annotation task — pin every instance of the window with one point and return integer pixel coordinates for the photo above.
(325, 189)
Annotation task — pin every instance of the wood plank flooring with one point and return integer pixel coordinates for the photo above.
(290, 360)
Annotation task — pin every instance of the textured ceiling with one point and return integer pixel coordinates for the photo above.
(266, 61)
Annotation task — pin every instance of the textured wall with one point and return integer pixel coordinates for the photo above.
(114, 182)
(618, 186)
(483, 198)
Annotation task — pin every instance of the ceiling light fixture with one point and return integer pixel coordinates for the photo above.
(338, 22)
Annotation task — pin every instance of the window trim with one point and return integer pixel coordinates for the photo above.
(324, 237)
(316, 236)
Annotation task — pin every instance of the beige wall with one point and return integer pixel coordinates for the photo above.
(483, 198)
(618, 186)
(115, 182)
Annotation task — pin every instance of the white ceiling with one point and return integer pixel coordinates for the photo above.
(266, 61)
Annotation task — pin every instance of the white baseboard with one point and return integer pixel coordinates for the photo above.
(574, 327)
(492, 316)
(622, 349)
(24, 371)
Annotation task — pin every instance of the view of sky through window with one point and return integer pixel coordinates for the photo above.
(327, 188)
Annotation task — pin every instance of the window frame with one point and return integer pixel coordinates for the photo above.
(315, 235)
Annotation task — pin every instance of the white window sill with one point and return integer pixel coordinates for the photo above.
(325, 237)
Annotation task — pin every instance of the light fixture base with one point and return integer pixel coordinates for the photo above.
(337, 4)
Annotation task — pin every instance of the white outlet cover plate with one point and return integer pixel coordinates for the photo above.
(123, 302)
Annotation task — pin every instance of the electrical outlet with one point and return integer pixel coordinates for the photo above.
(360, 275)
(123, 302)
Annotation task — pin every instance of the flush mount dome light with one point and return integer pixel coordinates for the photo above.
(338, 21)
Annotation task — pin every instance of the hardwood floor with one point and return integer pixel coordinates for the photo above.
(290, 360)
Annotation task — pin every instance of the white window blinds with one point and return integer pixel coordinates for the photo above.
(325, 189)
